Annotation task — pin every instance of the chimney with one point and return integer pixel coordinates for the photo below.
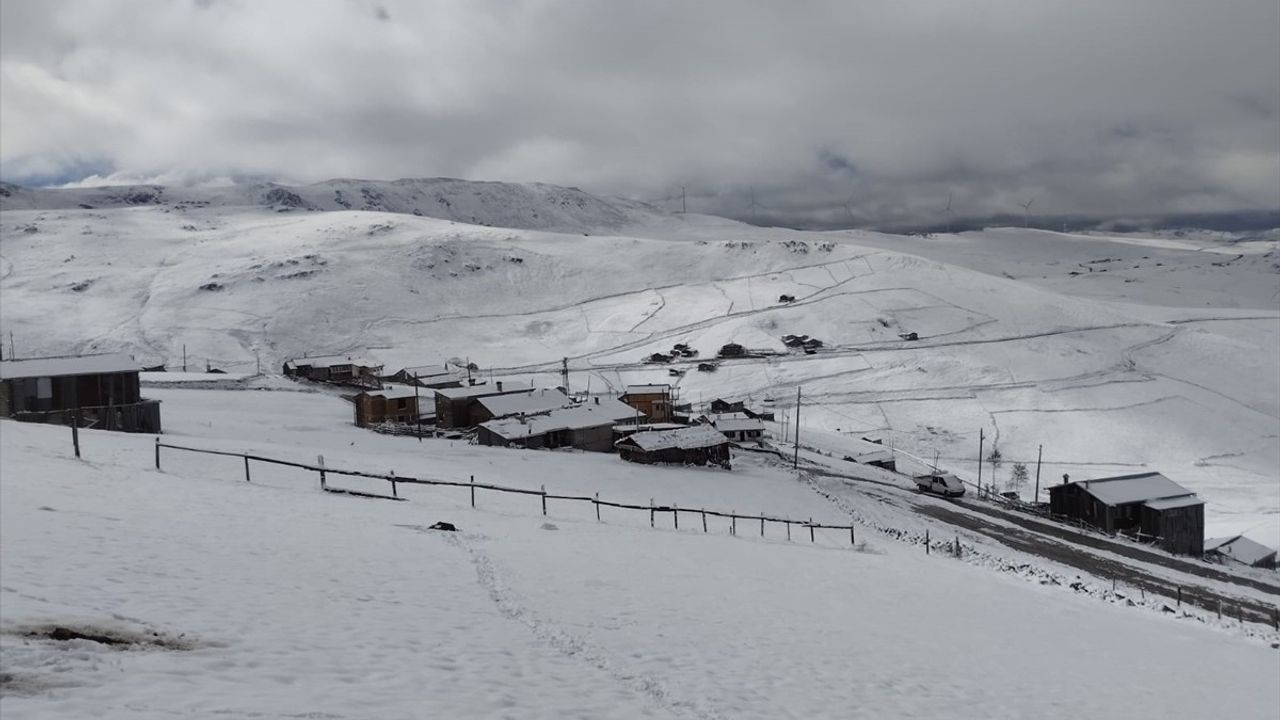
(499, 386)
(1064, 478)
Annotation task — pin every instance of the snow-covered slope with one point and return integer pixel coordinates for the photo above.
(1175, 371)
(272, 599)
(534, 206)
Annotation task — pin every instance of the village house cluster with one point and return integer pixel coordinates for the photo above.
(643, 424)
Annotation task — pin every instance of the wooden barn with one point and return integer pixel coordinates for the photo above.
(1148, 504)
(693, 445)
(337, 369)
(460, 407)
(388, 405)
(102, 390)
(653, 401)
(587, 426)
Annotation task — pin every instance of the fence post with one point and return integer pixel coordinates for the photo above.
(704, 520)
(675, 514)
(320, 462)
(1179, 596)
(246, 468)
(853, 540)
(651, 512)
(957, 546)
(473, 486)
(788, 531)
(811, 530)
(926, 542)
(733, 523)
(544, 499)
(596, 502)
(1275, 618)
(1219, 608)
(75, 433)
(157, 453)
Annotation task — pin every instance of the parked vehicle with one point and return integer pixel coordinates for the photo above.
(944, 484)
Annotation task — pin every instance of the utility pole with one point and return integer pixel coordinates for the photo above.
(417, 408)
(1039, 457)
(795, 462)
(257, 363)
(184, 357)
(683, 209)
(564, 374)
(13, 354)
(981, 437)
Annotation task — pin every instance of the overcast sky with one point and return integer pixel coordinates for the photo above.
(866, 112)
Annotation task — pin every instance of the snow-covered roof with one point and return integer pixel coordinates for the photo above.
(538, 401)
(587, 415)
(643, 427)
(399, 391)
(1125, 489)
(738, 424)
(484, 390)
(1174, 502)
(1239, 548)
(332, 360)
(648, 389)
(61, 366)
(689, 438)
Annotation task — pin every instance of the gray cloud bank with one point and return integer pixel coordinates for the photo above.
(828, 113)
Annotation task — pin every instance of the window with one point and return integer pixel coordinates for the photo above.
(44, 388)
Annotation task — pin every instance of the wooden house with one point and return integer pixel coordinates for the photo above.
(693, 445)
(1148, 504)
(428, 376)
(460, 407)
(737, 426)
(336, 369)
(103, 391)
(585, 426)
(653, 401)
(538, 401)
(388, 405)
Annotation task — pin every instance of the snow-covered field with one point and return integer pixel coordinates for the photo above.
(272, 599)
(1114, 353)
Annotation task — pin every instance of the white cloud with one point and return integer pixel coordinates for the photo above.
(1093, 107)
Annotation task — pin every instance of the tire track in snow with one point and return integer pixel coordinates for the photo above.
(577, 647)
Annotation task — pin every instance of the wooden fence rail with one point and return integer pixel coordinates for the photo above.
(324, 470)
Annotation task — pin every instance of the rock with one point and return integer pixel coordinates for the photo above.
(549, 526)
(442, 525)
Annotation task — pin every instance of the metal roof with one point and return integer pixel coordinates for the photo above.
(483, 390)
(391, 393)
(575, 418)
(538, 401)
(72, 365)
(1239, 548)
(332, 360)
(1174, 502)
(690, 438)
(1126, 489)
(648, 389)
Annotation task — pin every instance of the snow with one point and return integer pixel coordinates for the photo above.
(1239, 548)
(60, 366)
(574, 418)
(737, 424)
(484, 390)
(324, 361)
(1125, 489)
(1174, 502)
(1166, 361)
(297, 603)
(696, 436)
(539, 401)
(392, 392)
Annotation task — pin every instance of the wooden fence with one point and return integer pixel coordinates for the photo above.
(395, 481)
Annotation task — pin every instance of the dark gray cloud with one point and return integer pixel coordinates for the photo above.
(828, 112)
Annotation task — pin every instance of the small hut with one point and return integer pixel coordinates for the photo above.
(694, 445)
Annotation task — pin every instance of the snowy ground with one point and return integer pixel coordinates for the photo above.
(287, 602)
(1159, 353)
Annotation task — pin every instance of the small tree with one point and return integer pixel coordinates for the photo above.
(1019, 478)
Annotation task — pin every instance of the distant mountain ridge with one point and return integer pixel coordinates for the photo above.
(528, 206)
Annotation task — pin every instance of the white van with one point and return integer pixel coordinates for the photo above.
(944, 484)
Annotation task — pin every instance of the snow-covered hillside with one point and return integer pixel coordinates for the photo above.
(272, 599)
(1167, 360)
(533, 206)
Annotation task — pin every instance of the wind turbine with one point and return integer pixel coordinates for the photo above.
(1026, 212)
(950, 214)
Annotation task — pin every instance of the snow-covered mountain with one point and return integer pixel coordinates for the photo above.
(1114, 353)
(532, 206)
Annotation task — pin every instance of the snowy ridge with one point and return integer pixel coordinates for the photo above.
(532, 206)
